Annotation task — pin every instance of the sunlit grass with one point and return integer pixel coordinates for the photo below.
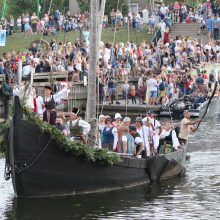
(19, 42)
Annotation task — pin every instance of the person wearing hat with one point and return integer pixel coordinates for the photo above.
(78, 129)
(145, 133)
(110, 135)
(117, 122)
(49, 104)
(155, 123)
(139, 144)
(60, 124)
(101, 121)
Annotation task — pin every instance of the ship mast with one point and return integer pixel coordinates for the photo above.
(96, 17)
(93, 58)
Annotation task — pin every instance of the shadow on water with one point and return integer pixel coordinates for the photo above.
(92, 206)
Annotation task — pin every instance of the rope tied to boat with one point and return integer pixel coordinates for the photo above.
(25, 166)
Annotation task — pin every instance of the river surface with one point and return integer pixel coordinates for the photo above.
(194, 196)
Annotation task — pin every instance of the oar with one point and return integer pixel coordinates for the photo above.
(210, 99)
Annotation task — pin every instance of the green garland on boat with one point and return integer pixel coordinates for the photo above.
(4, 127)
(76, 148)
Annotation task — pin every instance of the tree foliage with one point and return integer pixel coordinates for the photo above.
(83, 5)
(110, 4)
(18, 7)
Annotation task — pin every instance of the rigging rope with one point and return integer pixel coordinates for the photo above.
(129, 20)
(104, 100)
(27, 166)
(51, 1)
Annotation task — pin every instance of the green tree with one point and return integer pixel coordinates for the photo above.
(113, 4)
(83, 5)
(110, 4)
(18, 7)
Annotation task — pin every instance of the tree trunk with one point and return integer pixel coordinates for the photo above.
(93, 58)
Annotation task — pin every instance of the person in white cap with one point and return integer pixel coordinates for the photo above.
(145, 133)
(101, 121)
(117, 122)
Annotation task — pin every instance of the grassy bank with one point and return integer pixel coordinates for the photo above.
(19, 42)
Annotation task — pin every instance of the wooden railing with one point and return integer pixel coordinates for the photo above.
(78, 93)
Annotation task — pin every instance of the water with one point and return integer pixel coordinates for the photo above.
(194, 196)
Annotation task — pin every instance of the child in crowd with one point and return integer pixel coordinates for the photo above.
(133, 94)
(125, 90)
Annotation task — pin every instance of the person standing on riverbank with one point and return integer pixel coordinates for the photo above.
(186, 126)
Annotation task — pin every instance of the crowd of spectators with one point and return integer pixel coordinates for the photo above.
(162, 71)
(170, 68)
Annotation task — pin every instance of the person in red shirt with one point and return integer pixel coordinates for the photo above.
(140, 52)
(205, 75)
(189, 83)
(133, 94)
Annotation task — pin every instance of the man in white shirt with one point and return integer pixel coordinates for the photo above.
(19, 24)
(37, 103)
(162, 26)
(155, 125)
(152, 83)
(78, 128)
(163, 10)
(145, 13)
(145, 134)
(139, 144)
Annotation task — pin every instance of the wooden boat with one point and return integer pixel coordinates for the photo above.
(40, 168)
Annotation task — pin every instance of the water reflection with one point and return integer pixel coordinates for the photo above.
(124, 203)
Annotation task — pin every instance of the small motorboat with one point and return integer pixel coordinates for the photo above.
(176, 106)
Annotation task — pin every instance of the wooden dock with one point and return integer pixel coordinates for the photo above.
(78, 97)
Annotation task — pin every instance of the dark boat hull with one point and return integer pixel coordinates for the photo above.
(56, 172)
(41, 168)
